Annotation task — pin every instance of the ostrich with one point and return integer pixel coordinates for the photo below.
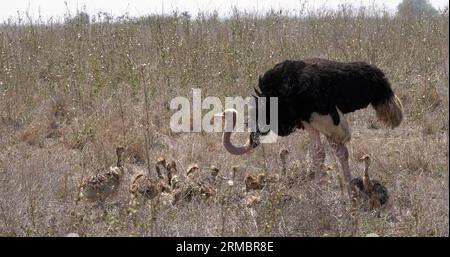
(253, 182)
(231, 182)
(160, 162)
(186, 190)
(214, 177)
(376, 193)
(146, 187)
(369, 192)
(257, 182)
(214, 173)
(252, 199)
(192, 171)
(283, 156)
(201, 187)
(314, 95)
(181, 190)
(171, 170)
(172, 167)
(103, 185)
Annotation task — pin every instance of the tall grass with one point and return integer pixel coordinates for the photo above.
(71, 92)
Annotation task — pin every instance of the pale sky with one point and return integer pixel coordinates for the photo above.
(57, 8)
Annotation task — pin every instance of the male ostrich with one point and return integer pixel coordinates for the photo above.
(314, 95)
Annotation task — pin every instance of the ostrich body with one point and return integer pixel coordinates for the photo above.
(253, 182)
(214, 179)
(143, 185)
(376, 192)
(201, 187)
(171, 170)
(259, 181)
(181, 191)
(103, 185)
(314, 95)
(186, 190)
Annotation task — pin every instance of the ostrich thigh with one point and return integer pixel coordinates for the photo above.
(325, 125)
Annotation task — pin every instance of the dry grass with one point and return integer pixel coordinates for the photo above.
(70, 93)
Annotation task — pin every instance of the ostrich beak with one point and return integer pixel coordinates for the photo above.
(220, 114)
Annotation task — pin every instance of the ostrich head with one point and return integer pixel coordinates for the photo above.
(229, 117)
(366, 159)
(283, 154)
(161, 161)
(249, 182)
(171, 166)
(214, 171)
(174, 182)
(192, 170)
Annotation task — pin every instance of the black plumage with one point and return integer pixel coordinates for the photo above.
(320, 85)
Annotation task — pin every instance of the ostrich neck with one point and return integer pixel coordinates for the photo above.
(119, 160)
(236, 150)
(169, 178)
(283, 165)
(366, 170)
(366, 180)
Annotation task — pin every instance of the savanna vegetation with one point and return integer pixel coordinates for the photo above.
(71, 92)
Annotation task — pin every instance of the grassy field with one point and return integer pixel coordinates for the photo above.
(70, 93)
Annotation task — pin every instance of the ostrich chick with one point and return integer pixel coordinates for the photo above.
(142, 185)
(181, 191)
(367, 191)
(103, 185)
(214, 173)
(214, 178)
(377, 194)
(231, 181)
(192, 170)
(283, 156)
(161, 162)
(252, 199)
(145, 186)
(171, 170)
(184, 190)
(253, 182)
(199, 187)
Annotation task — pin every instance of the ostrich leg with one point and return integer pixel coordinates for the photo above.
(342, 154)
(317, 151)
